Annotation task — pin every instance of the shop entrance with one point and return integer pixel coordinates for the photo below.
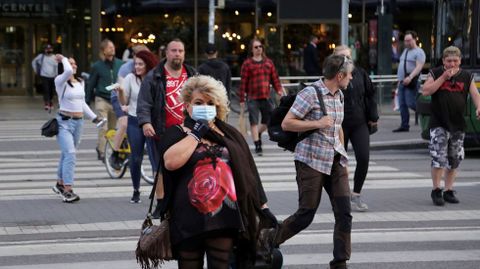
(13, 61)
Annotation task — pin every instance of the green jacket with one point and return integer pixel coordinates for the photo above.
(101, 76)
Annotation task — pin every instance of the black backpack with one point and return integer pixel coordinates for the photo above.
(286, 139)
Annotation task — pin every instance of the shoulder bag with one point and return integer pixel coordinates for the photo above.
(154, 246)
(50, 128)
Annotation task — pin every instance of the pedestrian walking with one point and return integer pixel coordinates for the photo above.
(449, 86)
(310, 57)
(361, 117)
(216, 68)
(121, 111)
(206, 151)
(320, 160)
(257, 72)
(72, 107)
(104, 73)
(128, 95)
(46, 66)
(158, 104)
(408, 74)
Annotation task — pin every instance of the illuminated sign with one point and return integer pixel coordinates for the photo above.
(17, 9)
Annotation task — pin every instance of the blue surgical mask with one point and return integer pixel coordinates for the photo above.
(202, 112)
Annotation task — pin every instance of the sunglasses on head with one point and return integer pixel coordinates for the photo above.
(344, 60)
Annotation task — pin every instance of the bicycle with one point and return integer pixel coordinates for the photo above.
(124, 153)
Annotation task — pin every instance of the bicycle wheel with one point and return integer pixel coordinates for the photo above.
(146, 169)
(112, 172)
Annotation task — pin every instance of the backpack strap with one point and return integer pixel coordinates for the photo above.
(322, 108)
(320, 99)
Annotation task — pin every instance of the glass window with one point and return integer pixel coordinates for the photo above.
(12, 59)
(458, 25)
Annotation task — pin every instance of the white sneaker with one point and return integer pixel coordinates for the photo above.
(357, 204)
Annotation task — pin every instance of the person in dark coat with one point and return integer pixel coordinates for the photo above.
(159, 105)
(216, 68)
(310, 57)
(360, 121)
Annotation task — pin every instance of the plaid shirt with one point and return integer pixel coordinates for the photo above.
(256, 78)
(318, 149)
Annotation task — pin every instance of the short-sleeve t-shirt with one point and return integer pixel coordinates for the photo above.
(450, 100)
(173, 104)
(414, 55)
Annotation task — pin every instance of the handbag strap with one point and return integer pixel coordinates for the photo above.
(63, 93)
(405, 63)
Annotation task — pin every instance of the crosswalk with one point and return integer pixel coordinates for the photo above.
(402, 229)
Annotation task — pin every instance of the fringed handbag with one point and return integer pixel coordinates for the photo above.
(154, 246)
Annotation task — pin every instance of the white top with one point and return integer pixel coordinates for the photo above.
(49, 66)
(73, 99)
(131, 87)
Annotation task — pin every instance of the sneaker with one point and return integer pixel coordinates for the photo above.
(99, 155)
(115, 161)
(135, 198)
(70, 197)
(437, 197)
(449, 197)
(58, 189)
(258, 147)
(400, 129)
(358, 204)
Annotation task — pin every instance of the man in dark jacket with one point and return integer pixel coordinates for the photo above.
(310, 57)
(158, 105)
(216, 68)
(104, 73)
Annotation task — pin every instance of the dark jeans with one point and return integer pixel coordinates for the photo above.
(407, 98)
(48, 86)
(137, 145)
(310, 183)
(359, 136)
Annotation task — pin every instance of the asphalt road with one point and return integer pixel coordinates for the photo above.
(402, 229)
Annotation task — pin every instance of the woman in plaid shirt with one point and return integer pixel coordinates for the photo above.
(257, 72)
(320, 160)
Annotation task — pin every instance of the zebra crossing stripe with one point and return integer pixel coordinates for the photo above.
(364, 217)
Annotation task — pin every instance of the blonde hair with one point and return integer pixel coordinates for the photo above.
(452, 51)
(337, 49)
(209, 87)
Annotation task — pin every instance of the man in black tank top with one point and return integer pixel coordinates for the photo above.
(449, 87)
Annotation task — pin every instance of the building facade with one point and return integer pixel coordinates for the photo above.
(76, 27)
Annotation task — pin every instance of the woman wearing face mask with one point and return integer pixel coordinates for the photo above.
(71, 100)
(144, 61)
(212, 187)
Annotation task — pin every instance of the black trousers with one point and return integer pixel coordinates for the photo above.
(359, 136)
(48, 86)
(310, 183)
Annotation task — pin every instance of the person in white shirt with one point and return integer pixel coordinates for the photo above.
(128, 95)
(72, 107)
(45, 66)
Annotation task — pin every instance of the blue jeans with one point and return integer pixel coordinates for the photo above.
(68, 138)
(137, 145)
(406, 99)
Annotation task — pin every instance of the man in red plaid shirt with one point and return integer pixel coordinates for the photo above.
(257, 72)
